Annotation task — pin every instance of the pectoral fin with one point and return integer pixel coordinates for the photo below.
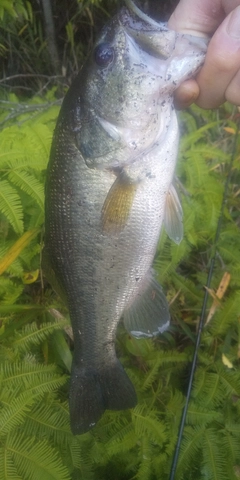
(118, 203)
(148, 315)
(173, 216)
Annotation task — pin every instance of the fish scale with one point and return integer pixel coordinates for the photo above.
(108, 188)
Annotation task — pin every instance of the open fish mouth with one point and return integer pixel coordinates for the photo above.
(152, 36)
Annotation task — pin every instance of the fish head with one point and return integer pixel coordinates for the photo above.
(133, 70)
(128, 66)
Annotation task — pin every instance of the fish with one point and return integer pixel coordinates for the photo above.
(109, 191)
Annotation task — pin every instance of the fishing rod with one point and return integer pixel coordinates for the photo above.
(203, 311)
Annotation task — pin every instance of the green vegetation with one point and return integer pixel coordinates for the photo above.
(35, 338)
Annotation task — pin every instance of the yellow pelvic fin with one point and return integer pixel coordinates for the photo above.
(118, 203)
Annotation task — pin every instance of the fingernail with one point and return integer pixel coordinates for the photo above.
(233, 27)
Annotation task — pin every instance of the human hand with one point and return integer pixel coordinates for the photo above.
(219, 78)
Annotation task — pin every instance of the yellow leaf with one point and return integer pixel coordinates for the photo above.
(30, 277)
(226, 361)
(218, 296)
(16, 249)
(230, 130)
(223, 285)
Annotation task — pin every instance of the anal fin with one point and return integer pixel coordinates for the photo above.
(148, 315)
(173, 216)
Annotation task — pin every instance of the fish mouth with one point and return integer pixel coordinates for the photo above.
(153, 37)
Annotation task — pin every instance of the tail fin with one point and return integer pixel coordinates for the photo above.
(92, 391)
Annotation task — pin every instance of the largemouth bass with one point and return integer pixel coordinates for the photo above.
(108, 192)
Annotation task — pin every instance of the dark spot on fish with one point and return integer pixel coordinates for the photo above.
(137, 278)
(174, 83)
(149, 175)
(169, 76)
(163, 103)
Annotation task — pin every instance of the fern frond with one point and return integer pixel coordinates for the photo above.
(191, 138)
(230, 444)
(81, 459)
(122, 442)
(7, 468)
(147, 423)
(14, 160)
(210, 152)
(50, 420)
(33, 335)
(167, 357)
(15, 250)
(198, 415)
(187, 286)
(227, 315)
(233, 428)
(29, 184)
(37, 142)
(156, 360)
(10, 206)
(31, 142)
(175, 404)
(230, 380)
(13, 414)
(10, 293)
(145, 454)
(208, 390)
(190, 450)
(214, 460)
(24, 376)
(230, 251)
(116, 433)
(196, 171)
(35, 459)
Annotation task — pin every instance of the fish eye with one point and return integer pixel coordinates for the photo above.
(103, 54)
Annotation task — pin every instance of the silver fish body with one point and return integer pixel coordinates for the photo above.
(108, 187)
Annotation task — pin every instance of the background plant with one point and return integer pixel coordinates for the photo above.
(35, 338)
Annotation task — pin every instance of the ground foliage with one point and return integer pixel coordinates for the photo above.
(35, 339)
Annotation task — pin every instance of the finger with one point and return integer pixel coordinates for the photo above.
(221, 64)
(232, 93)
(199, 17)
(186, 94)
